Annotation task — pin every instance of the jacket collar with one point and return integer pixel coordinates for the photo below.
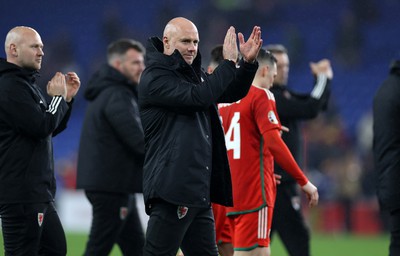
(28, 74)
(155, 55)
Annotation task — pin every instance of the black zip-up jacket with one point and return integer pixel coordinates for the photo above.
(386, 142)
(186, 161)
(111, 150)
(27, 124)
(294, 107)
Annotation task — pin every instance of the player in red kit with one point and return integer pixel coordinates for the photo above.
(252, 133)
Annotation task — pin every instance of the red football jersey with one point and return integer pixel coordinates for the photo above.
(251, 160)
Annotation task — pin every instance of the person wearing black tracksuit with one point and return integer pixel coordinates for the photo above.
(186, 165)
(386, 149)
(292, 108)
(111, 151)
(29, 219)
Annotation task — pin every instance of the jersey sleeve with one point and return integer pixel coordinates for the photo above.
(283, 156)
(265, 113)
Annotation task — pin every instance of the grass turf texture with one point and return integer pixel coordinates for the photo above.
(321, 244)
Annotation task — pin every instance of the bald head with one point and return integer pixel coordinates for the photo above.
(24, 47)
(182, 35)
(178, 23)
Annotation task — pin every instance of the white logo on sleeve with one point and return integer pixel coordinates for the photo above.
(272, 118)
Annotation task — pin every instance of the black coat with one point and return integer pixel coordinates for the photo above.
(292, 108)
(111, 148)
(386, 143)
(186, 161)
(27, 124)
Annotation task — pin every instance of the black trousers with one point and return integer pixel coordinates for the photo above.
(289, 222)
(32, 229)
(171, 226)
(115, 221)
(394, 223)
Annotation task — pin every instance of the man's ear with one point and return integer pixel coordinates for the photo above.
(13, 50)
(166, 42)
(116, 63)
(264, 70)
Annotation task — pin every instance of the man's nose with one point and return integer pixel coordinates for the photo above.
(192, 47)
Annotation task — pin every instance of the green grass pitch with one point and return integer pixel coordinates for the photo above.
(321, 244)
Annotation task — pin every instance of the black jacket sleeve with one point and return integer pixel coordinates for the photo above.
(241, 83)
(27, 114)
(291, 105)
(63, 125)
(168, 88)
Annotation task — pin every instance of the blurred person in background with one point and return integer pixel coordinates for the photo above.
(292, 108)
(29, 219)
(111, 151)
(253, 139)
(386, 149)
(186, 166)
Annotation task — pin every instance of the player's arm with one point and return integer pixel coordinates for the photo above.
(285, 159)
(303, 106)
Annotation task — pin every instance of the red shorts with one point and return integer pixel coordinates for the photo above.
(222, 225)
(251, 230)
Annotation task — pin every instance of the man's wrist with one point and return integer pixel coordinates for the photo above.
(234, 61)
(248, 61)
(59, 95)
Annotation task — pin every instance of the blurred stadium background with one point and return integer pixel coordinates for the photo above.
(360, 37)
